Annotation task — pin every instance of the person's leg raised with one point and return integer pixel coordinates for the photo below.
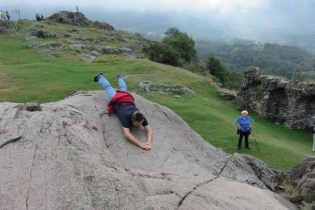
(121, 83)
(106, 85)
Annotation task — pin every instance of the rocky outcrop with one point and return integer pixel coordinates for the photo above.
(147, 86)
(304, 174)
(78, 19)
(103, 25)
(286, 102)
(40, 31)
(227, 95)
(7, 26)
(90, 46)
(71, 155)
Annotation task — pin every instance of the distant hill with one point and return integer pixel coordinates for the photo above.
(272, 58)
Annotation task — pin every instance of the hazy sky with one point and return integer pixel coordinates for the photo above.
(224, 13)
(223, 6)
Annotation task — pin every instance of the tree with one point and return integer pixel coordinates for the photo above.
(217, 68)
(233, 80)
(183, 45)
(162, 53)
(17, 12)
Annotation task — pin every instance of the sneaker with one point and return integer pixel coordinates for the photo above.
(96, 76)
(247, 147)
(119, 75)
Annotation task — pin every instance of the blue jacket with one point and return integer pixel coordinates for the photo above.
(244, 123)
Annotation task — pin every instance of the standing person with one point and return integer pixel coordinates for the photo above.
(123, 104)
(77, 7)
(7, 14)
(244, 124)
(2, 15)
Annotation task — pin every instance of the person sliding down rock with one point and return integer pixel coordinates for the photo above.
(244, 124)
(123, 104)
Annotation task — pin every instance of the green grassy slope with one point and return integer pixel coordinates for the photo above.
(28, 75)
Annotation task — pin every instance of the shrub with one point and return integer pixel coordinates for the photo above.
(290, 190)
(162, 53)
(309, 197)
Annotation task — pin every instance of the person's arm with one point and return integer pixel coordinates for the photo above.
(237, 125)
(131, 138)
(149, 132)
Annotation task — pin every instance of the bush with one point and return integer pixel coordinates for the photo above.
(309, 197)
(298, 76)
(176, 49)
(233, 80)
(181, 43)
(197, 67)
(309, 206)
(290, 190)
(162, 53)
(217, 68)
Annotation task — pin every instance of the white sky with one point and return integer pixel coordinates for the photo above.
(143, 5)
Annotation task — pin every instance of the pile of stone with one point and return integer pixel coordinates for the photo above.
(175, 90)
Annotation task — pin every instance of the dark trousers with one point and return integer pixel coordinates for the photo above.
(245, 134)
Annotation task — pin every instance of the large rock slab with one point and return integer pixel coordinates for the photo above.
(71, 155)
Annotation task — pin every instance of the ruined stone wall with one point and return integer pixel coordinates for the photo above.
(275, 102)
(248, 92)
(285, 102)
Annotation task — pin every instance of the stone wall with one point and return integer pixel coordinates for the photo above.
(286, 102)
(248, 92)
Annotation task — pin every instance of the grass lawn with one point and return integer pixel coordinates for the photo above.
(27, 75)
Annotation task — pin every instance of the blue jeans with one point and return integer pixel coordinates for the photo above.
(109, 89)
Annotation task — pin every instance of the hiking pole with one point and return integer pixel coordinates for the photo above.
(255, 139)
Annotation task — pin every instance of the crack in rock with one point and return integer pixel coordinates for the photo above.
(160, 109)
(29, 186)
(10, 141)
(180, 203)
(116, 190)
(226, 164)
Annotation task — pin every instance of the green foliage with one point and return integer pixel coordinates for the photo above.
(309, 197)
(176, 49)
(162, 53)
(197, 67)
(298, 77)
(309, 206)
(217, 68)
(183, 45)
(272, 58)
(233, 80)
